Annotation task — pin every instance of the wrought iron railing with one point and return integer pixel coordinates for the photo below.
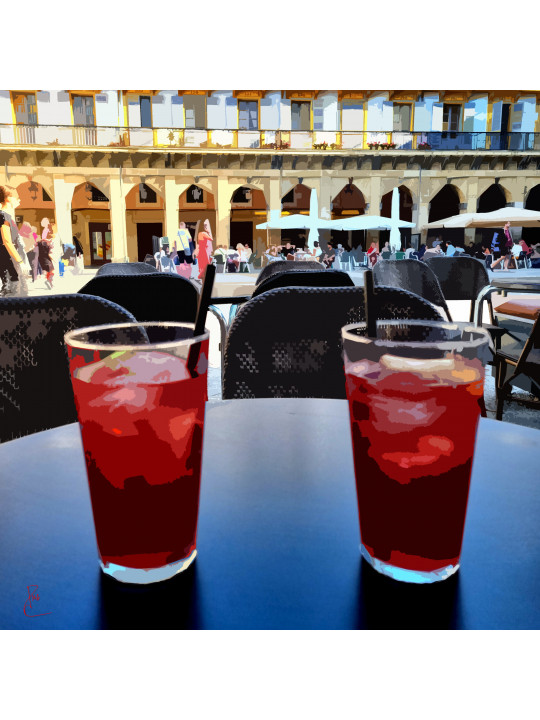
(282, 140)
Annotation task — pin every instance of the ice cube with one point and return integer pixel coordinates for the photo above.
(151, 367)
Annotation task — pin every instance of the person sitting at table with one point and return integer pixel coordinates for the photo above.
(329, 256)
(271, 254)
(534, 257)
(373, 252)
(433, 251)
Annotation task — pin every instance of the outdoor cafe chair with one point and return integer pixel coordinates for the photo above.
(149, 297)
(287, 342)
(153, 297)
(525, 361)
(35, 385)
(128, 268)
(283, 265)
(312, 278)
(464, 278)
(412, 275)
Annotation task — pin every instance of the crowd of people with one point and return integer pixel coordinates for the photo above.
(25, 254)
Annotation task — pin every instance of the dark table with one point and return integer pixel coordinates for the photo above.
(278, 534)
(521, 284)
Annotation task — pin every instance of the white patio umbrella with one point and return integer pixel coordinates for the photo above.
(495, 218)
(311, 222)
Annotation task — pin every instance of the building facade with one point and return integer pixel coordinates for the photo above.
(116, 167)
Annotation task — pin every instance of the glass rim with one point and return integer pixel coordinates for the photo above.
(449, 344)
(70, 338)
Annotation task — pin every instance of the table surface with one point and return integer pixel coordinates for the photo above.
(520, 283)
(278, 537)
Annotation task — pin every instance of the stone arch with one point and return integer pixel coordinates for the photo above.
(248, 208)
(405, 213)
(349, 201)
(297, 199)
(532, 202)
(445, 203)
(133, 199)
(493, 198)
(91, 220)
(194, 208)
(34, 205)
(405, 203)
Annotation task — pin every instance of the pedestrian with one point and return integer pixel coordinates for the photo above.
(45, 260)
(203, 252)
(29, 244)
(9, 258)
(164, 262)
(505, 245)
(9, 202)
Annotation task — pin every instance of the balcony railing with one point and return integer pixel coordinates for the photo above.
(282, 140)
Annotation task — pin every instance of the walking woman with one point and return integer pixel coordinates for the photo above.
(203, 253)
(506, 243)
(45, 260)
(11, 251)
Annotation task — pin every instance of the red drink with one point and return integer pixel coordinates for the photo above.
(413, 424)
(142, 417)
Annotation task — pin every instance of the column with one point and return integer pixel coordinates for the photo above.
(63, 195)
(172, 193)
(274, 203)
(223, 213)
(118, 220)
(375, 199)
(472, 204)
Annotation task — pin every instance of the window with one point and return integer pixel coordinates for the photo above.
(146, 194)
(318, 115)
(352, 115)
(300, 112)
(146, 111)
(194, 194)
(25, 108)
(248, 114)
(195, 111)
(451, 117)
(83, 110)
(402, 118)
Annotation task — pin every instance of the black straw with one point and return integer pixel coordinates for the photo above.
(369, 304)
(200, 319)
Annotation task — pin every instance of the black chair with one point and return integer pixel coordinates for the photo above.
(150, 297)
(525, 359)
(154, 297)
(128, 268)
(35, 386)
(150, 260)
(412, 275)
(287, 342)
(283, 265)
(461, 278)
(312, 278)
(465, 278)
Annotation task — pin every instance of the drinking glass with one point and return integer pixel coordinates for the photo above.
(140, 392)
(415, 394)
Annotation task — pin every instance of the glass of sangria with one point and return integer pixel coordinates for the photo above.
(415, 394)
(140, 392)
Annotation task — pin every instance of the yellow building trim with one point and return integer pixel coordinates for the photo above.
(364, 126)
(413, 143)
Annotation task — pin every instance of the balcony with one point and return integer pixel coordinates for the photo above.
(282, 140)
